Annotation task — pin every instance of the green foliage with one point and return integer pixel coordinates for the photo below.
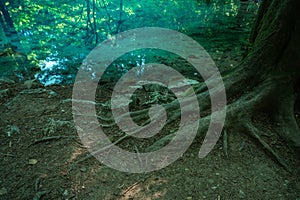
(68, 30)
(54, 25)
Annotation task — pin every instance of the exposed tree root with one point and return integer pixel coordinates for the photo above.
(263, 83)
(247, 106)
(284, 117)
(241, 111)
(47, 139)
(254, 132)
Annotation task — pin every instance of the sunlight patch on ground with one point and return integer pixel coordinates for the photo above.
(142, 190)
(77, 152)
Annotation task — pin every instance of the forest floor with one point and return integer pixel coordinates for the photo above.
(40, 147)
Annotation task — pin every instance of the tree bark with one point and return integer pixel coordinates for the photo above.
(271, 71)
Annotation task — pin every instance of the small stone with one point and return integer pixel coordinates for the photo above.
(242, 195)
(29, 83)
(65, 193)
(83, 169)
(52, 94)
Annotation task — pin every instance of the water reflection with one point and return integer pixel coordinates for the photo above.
(54, 71)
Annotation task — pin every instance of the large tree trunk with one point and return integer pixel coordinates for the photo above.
(269, 76)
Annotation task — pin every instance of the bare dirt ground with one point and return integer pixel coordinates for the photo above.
(40, 147)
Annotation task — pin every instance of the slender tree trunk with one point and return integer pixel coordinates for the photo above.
(94, 22)
(9, 30)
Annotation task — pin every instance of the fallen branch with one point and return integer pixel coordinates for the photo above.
(8, 155)
(133, 185)
(225, 143)
(47, 139)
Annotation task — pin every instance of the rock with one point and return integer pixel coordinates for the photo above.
(214, 187)
(30, 83)
(32, 161)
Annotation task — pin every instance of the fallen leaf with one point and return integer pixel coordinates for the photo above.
(32, 161)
